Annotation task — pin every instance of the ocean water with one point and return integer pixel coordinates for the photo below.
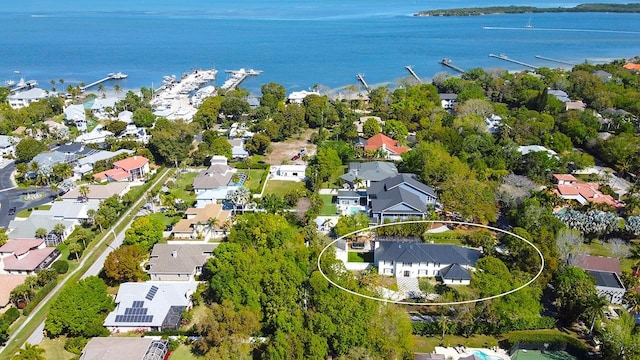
(296, 43)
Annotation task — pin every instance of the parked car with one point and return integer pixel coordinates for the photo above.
(12, 211)
(302, 151)
(295, 157)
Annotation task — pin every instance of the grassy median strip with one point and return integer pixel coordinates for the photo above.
(18, 339)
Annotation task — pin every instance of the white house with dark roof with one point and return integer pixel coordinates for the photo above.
(150, 306)
(217, 176)
(606, 271)
(401, 197)
(448, 100)
(7, 145)
(362, 174)
(450, 263)
(178, 262)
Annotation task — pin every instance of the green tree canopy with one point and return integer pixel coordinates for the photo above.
(28, 148)
(124, 264)
(145, 232)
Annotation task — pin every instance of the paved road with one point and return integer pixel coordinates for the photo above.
(10, 196)
(37, 335)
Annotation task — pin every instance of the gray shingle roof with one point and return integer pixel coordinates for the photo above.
(397, 190)
(372, 171)
(415, 252)
(455, 272)
(187, 257)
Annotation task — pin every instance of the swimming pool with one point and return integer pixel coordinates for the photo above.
(354, 210)
(242, 177)
(485, 356)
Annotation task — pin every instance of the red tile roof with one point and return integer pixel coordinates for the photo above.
(599, 263)
(132, 163)
(28, 263)
(20, 246)
(632, 66)
(589, 191)
(114, 174)
(565, 177)
(377, 141)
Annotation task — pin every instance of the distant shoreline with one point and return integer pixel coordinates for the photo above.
(582, 8)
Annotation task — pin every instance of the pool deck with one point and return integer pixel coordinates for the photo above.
(461, 352)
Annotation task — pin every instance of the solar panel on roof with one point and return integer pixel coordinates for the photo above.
(138, 304)
(152, 292)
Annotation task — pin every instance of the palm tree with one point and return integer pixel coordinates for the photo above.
(41, 233)
(443, 321)
(84, 192)
(91, 216)
(61, 81)
(117, 89)
(53, 85)
(102, 90)
(212, 224)
(29, 352)
(75, 248)
(595, 310)
(59, 230)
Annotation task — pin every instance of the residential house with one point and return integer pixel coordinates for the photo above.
(448, 101)
(349, 198)
(7, 145)
(97, 193)
(128, 169)
(568, 188)
(603, 75)
(126, 116)
(26, 256)
(178, 262)
(387, 145)
(297, 97)
(65, 153)
(125, 348)
(560, 95)
(57, 130)
(361, 175)
(26, 228)
(9, 282)
(24, 98)
(86, 164)
(70, 211)
(450, 263)
(240, 131)
(524, 150)
(632, 66)
(150, 306)
(213, 184)
(206, 223)
(494, 124)
(97, 136)
(102, 108)
(399, 198)
(360, 123)
(295, 172)
(237, 149)
(75, 114)
(607, 272)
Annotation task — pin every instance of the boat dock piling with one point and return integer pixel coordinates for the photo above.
(413, 73)
(237, 77)
(112, 76)
(554, 60)
(360, 77)
(446, 62)
(506, 58)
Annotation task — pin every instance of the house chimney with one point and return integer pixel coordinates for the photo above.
(174, 253)
(135, 157)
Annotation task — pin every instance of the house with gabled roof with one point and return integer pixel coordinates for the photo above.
(26, 228)
(97, 193)
(178, 262)
(362, 174)
(7, 145)
(150, 306)
(606, 271)
(569, 188)
(26, 256)
(206, 222)
(450, 263)
(128, 169)
(401, 197)
(389, 146)
(75, 114)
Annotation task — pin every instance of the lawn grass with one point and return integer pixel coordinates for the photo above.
(329, 208)
(182, 188)
(27, 212)
(360, 257)
(54, 349)
(282, 187)
(424, 344)
(183, 352)
(254, 182)
(166, 220)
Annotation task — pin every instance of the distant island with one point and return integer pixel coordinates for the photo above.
(475, 11)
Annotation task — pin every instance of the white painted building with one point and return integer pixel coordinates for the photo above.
(24, 98)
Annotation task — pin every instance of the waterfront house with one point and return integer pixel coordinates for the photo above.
(450, 263)
(75, 114)
(398, 198)
(390, 147)
(606, 271)
(202, 223)
(297, 97)
(448, 101)
(24, 98)
(125, 348)
(178, 262)
(26, 256)
(150, 306)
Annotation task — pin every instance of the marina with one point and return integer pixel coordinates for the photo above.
(173, 100)
(238, 76)
(21, 85)
(110, 76)
(447, 62)
(506, 58)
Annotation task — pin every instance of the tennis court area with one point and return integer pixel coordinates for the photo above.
(538, 355)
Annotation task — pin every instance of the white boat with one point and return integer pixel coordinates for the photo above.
(118, 76)
(10, 83)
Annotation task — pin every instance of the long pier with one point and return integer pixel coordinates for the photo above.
(554, 60)
(360, 78)
(413, 73)
(446, 62)
(112, 76)
(237, 77)
(24, 86)
(506, 58)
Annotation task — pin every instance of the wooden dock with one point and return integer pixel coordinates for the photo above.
(111, 76)
(23, 86)
(506, 58)
(446, 62)
(413, 73)
(555, 60)
(360, 78)
(237, 77)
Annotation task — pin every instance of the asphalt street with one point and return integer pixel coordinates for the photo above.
(11, 196)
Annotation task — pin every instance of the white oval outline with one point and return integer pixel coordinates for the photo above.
(473, 301)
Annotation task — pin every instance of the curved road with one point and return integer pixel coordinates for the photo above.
(11, 196)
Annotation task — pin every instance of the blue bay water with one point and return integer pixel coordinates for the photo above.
(296, 43)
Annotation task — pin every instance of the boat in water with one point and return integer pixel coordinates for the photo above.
(10, 83)
(118, 76)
